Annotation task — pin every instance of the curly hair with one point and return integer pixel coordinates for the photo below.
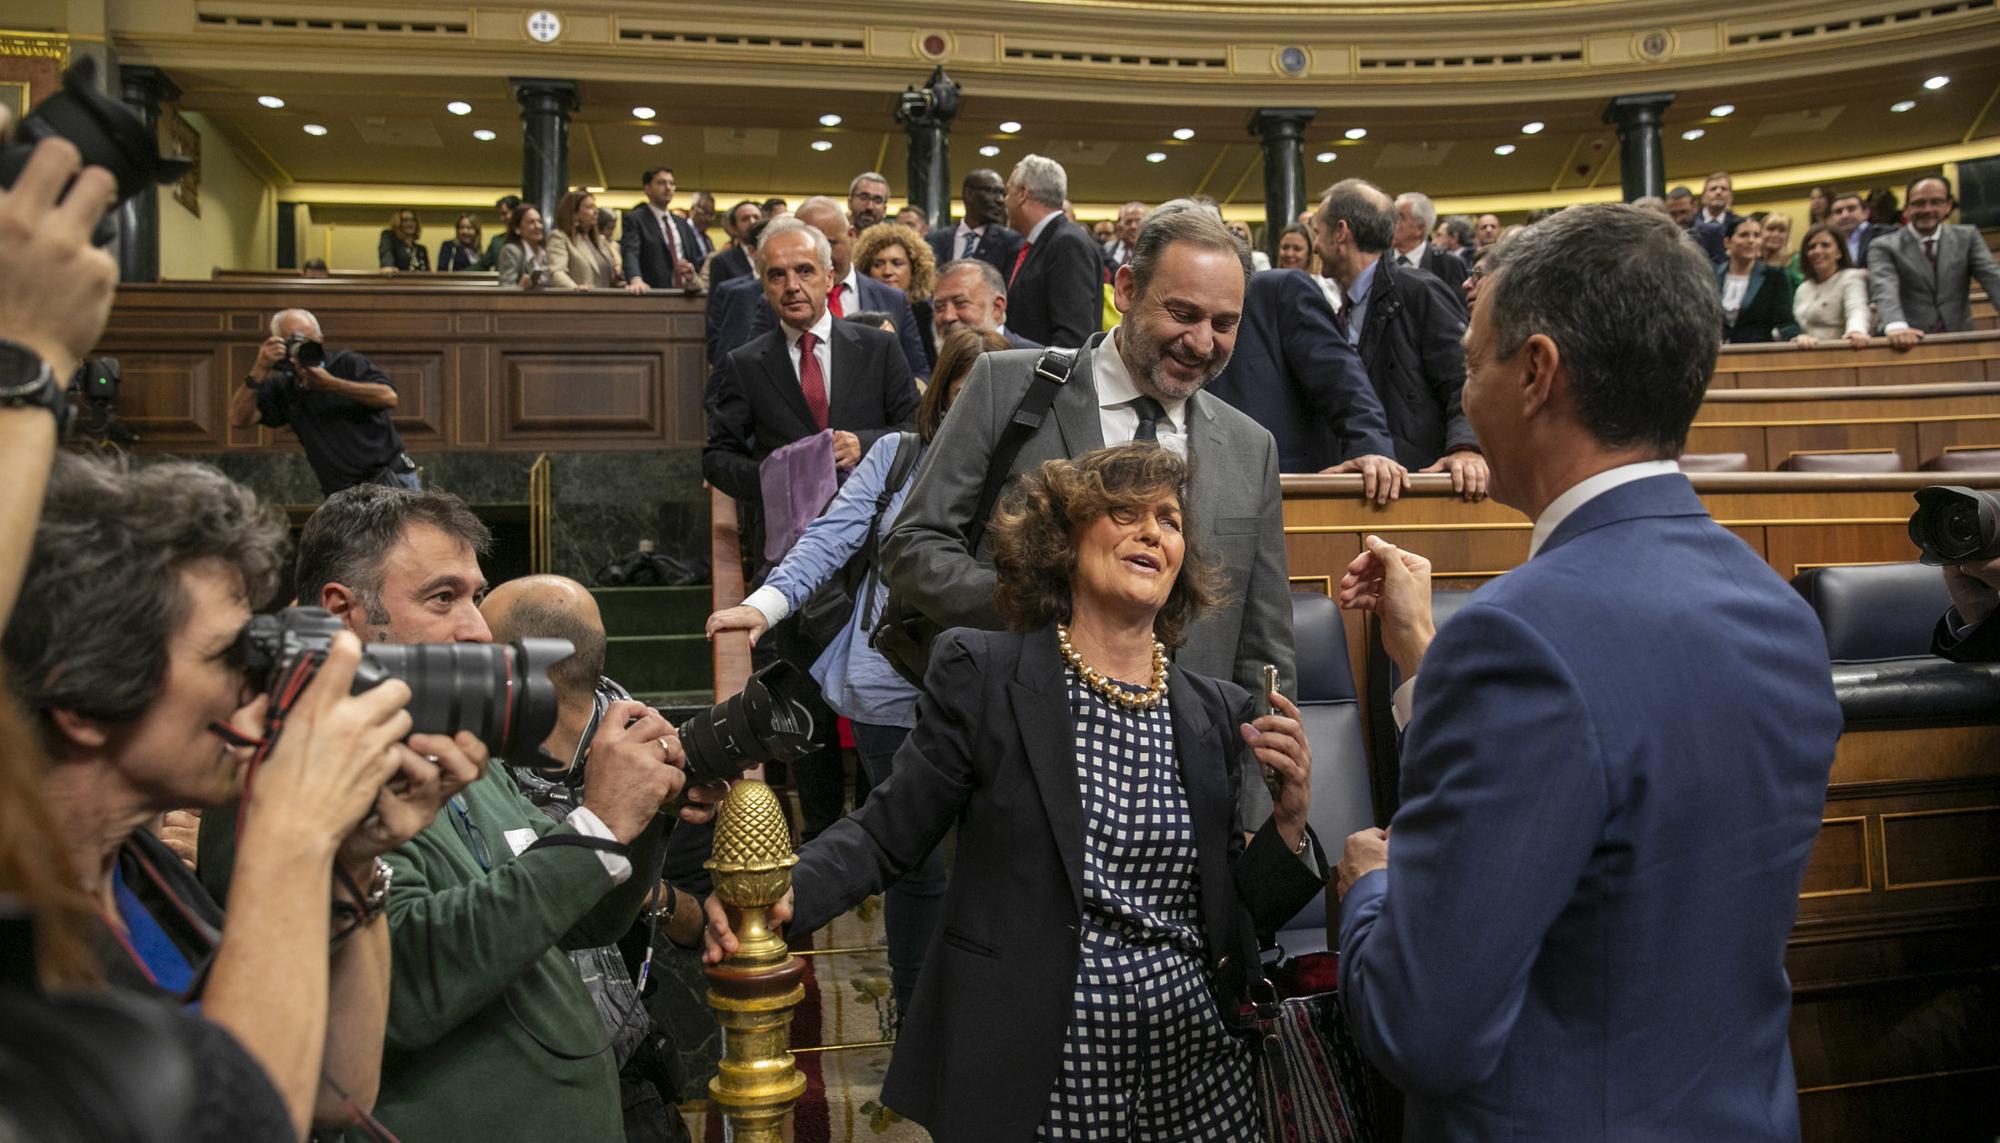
(881, 236)
(1036, 525)
(103, 595)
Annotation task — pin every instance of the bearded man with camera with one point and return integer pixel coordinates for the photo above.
(337, 401)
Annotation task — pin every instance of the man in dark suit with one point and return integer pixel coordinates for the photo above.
(1406, 326)
(658, 247)
(1615, 756)
(1714, 223)
(853, 291)
(701, 218)
(1416, 217)
(1294, 374)
(1142, 380)
(1055, 287)
(1848, 215)
(1124, 234)
(970, 294)
(1920, 275)
(733, 261)
(732, 312)
(983, 232)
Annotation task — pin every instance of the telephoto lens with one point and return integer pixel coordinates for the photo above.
(770, 720)
(109, 134)
(1956, 525)
(499, 692)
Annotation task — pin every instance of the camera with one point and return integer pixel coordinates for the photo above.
(1956, 525)
(499, 692)
(94, 389)
(109, 134)
(301, 353)
(772, 719)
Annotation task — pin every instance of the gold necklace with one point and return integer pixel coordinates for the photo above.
(1107, 689)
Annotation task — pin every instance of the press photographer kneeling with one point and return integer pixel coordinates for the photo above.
(336, 400)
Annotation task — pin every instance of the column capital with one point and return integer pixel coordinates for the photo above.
(1628, 109)
(1281, 122)
(550, 94)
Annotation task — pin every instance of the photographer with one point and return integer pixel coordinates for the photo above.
(1968, 633)
(337, 401)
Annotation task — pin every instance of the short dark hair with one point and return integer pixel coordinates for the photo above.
(1731, 225)
(577, 674)
(314, 264)
(1837, 199)
(772, 203)
(1034, 534)
(739, 206)
(346, 538)
(1373, 226)
(507, 201)
(958, 352)
(1195, 225)
(1911, 188)
(1631, 305)
(103, 596)
(1680, 192)
(1460, 228)
(650, 172)
(1844, 260)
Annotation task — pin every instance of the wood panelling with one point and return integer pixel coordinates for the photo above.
(1945, 358)
(1953, 845)
(474, 368)
(1917, 422)
(1842, 860)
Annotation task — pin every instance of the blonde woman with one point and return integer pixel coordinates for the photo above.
(1778, 245)
(579, 256)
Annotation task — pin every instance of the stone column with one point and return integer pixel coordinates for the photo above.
(1283, 130)
(143, 89)
(545, 109)
(1642, 163)
(926, 113)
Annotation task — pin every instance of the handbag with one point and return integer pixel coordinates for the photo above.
(904, 635)
(820, 618)
(1311, 1080)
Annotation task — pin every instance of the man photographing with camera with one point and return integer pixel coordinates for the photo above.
(336, 400)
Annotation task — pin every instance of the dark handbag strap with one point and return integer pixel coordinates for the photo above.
(908, 447)
(1052, 371)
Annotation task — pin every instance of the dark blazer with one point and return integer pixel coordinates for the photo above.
(1016, 341)
(1058, 297)
(1713, 237)
(1447, 267)
(1980, 645)
(880, 296)
(732, 310)
(1591, 948)
(1410, 346)
(993, 754)
(1767, 306)
(642, 247)
(1295, 375)
(452, 257)
(724, 265)
(758, 407)
(392, 251)
(997, 246)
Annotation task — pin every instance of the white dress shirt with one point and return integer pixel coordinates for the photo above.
(964, 235)
(673, 232)
(822, 352)
(1734, 286)
(1559, 509)
(1415, 258)
(1116, 392)
(850, 298)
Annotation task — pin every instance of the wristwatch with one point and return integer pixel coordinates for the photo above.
(376, 893)
(27, 381)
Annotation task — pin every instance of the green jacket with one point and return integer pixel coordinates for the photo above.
(485, 1010)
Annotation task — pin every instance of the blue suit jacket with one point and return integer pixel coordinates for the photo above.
(1295, 375)
(1611, 783)
(880, 296)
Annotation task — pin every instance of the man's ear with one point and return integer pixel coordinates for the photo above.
(1543, 379)
(1124, 294)
(345, 605)
(79, 730)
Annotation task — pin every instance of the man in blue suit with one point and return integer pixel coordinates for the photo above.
(1296, 376)
(853, 291)
(1615, 762)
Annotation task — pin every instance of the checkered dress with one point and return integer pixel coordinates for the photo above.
(1146, 1056)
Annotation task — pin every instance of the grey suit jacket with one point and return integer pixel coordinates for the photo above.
(1235, 513)
(1904, 288)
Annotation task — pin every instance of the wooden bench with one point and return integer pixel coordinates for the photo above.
(1944, 358)
(1917, 422)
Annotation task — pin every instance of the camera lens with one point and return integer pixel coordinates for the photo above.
(773, 719)
(1954, 524)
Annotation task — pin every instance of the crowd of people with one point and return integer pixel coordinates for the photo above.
(351, 927)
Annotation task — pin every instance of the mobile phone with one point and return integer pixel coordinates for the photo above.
(1272, 781)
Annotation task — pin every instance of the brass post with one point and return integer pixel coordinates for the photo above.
(753, 993)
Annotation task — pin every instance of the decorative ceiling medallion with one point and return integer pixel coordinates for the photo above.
(935, 46)
(1293, 61)
(1654, 45)
(544, 26)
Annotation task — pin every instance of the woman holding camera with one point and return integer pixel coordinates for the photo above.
(524, 262)
(1103, 911)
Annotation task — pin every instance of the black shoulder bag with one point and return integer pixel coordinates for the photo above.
(905, 634)
(807, 632)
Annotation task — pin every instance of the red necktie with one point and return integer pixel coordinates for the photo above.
(811, 381)
(834, 301)
(1018, 259)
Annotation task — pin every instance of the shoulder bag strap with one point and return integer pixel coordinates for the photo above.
(908, 447)
(1052, 371)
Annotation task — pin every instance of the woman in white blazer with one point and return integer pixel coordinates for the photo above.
(1832, 301)
(579, 257)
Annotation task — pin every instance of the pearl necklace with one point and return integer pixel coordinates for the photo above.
(1107, 689)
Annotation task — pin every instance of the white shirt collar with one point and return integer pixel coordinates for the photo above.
(1588, 489)
(1036, 233)
(853, 288)
(966, 228)
(1115, 387)
(822, 329)
(1416, 254)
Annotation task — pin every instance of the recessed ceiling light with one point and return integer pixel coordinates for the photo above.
(1183, 133)
(1157, 157)
(271, 101)
(1903, 105)
(1504, 149)
(822, 144)
(1693, 133)
(1935, 82)
(1326, 157)
(484, 136)
(643, 112)
(314, 129)
(829, 120)
(650, 140)
(1722, 110)
(1009, 127)
(989, 150)
(459, 107)
(1357, 132)
(1534, 128)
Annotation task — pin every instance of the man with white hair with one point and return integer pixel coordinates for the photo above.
(1055, 288)
(1416, 216)
(336, 400)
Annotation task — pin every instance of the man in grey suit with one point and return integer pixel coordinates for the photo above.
(1920, 276)
(1143, 380)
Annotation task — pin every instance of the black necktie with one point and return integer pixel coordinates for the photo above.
(1344, 318)
(1151, 413)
